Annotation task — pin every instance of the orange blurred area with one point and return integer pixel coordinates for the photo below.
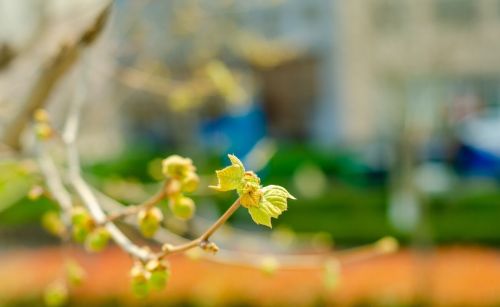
(445, 276)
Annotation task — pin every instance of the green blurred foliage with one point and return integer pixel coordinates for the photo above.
(352, 208)
(15, 182)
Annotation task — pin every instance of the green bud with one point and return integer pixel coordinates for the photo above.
(190, 183)
(149, 221)
(160, 273)
(139, 281)
(210, 247)
(56, 294)
(140, 288)
(80, 216)
(82, 224)
(79, 233)
(182, 207)
(97, 240)
(75, 273)
(51, 221)
(177, 167)
(158, 280)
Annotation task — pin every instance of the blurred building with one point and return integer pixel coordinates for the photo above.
(361, 65)
(416, 58)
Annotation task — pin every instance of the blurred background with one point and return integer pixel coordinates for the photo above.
(381, 116)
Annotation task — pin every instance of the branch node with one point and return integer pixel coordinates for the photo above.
(167, 248)
(209, 246)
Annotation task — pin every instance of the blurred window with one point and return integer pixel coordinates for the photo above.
(456, 12)
(389, 15)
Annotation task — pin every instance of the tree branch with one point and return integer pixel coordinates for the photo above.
(54, 184)
(130, 210)
(202, 241)
(53, 71)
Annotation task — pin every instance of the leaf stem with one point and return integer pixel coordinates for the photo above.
(202, 240)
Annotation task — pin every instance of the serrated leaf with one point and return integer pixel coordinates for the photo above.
(270, 209)
(278, 191)
(272, 203)
(235, 161)
(259, 216)
(230, 178)
(277, 196)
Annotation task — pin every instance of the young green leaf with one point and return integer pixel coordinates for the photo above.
(277, 196)
(262, 203)
(272, 203)
(229, 178)
(250, 196)
(250, 190)
(235, 161)
(259, 216)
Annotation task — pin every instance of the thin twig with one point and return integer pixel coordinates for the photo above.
(55, 184)
(82, 188)
(130, 210)
(92, 204)
(202, 240)
(90, 201)
(210, 231)
(228, 257)
(254, 259)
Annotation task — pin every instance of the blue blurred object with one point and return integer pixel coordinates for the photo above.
(472, 161)
(235, 133)
(479, 152)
